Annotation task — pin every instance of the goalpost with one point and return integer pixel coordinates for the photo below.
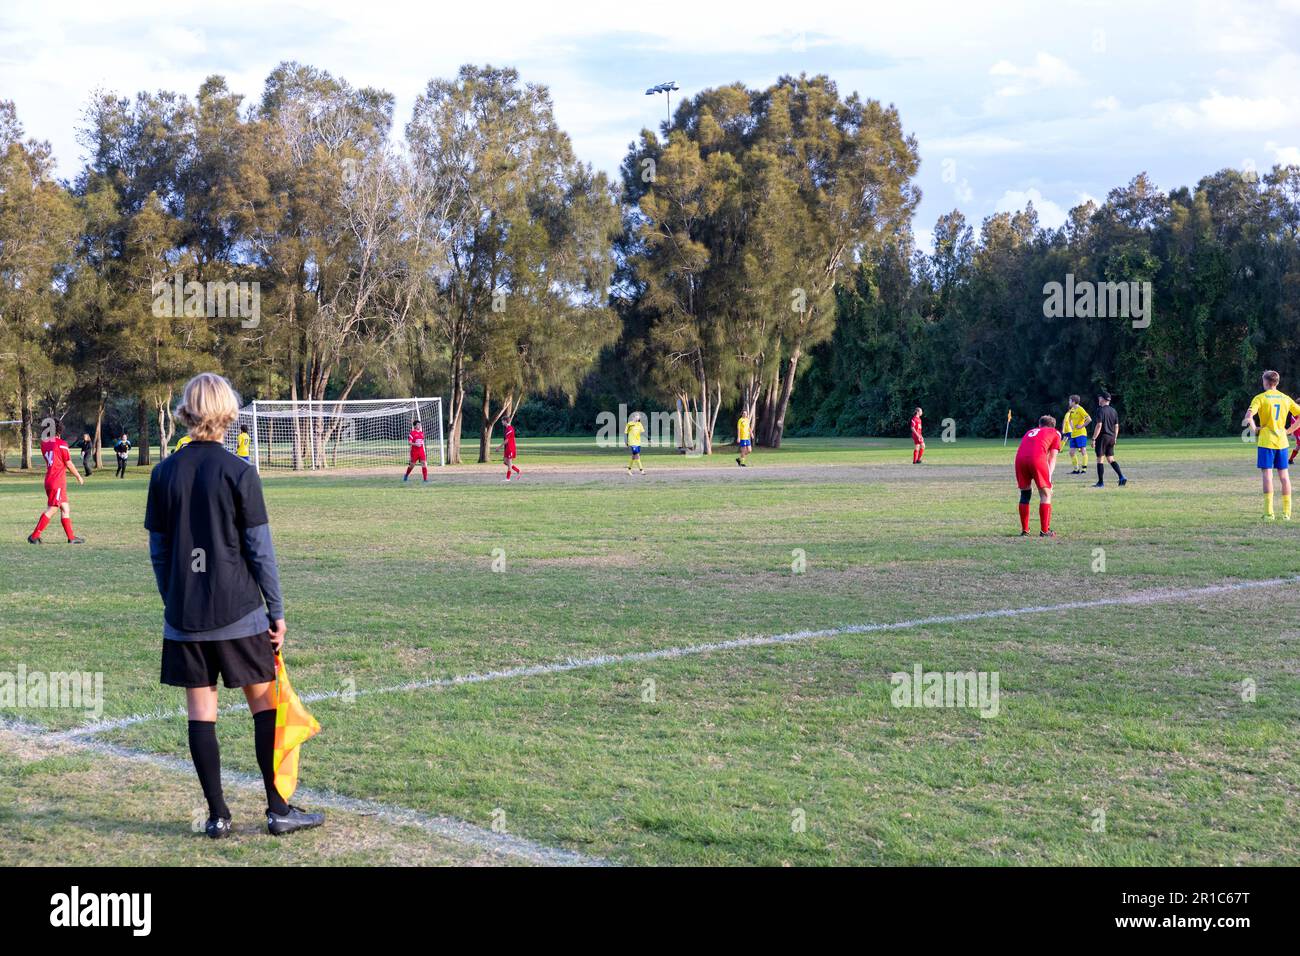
(328, 435)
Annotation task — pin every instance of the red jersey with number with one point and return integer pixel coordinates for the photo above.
(1038, 443)
(510, 441)
(916, 427)
(57, 458)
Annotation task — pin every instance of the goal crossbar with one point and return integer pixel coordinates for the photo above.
(320, 435)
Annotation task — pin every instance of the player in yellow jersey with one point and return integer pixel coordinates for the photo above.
(635, 432)
(1075, 426)
(743, 440)
(1271, 407)
(242, 442)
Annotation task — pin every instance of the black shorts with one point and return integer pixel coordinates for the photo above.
(1104, 446)
(240, 662)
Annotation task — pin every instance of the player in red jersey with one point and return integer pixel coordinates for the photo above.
(1035, 462)
(918, 440)
(58, 462)
(416, 438)
(509, 451)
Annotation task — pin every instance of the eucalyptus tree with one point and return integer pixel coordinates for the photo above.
(523, 286)
(851, 165)
(758, 204)
(38, 232)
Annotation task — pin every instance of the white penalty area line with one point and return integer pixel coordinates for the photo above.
(451, 829)
(1151, 596)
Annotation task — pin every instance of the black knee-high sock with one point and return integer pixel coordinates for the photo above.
(207, 761)
(1115, 465)
(264, 743)
(1101, 471)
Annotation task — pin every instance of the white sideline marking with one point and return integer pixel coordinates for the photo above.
(1153, 596)
(449, 828)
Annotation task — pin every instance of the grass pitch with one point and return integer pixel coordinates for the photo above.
(1147, 733)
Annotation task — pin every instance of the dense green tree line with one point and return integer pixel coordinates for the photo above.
(757, 256)
(303, 248)
(963, 333)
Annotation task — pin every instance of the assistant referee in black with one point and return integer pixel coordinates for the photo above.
(223, 617)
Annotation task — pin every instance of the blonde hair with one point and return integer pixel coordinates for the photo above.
(1271, 378)
(209, 406)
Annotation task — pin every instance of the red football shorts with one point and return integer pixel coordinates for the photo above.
(1028, 470)
(417, 456)
(56, 493)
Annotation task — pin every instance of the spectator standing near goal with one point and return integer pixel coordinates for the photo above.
(1104, 437)
(509, 450)
(122, 449)
(918, 438)
(418, 454)
(223, 617)
(58, 462)
(87, 446)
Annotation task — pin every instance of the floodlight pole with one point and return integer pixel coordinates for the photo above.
(667, 90)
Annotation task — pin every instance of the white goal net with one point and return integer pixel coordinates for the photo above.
(321, 436)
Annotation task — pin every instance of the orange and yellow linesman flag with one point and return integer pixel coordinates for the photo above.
(1008, 434)
(293, 726)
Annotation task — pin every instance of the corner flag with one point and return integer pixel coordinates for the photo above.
(293, 726)
(1008, 434)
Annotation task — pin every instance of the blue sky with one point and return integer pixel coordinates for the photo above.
(1049, 102)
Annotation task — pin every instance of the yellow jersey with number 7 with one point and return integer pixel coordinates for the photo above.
(1271, 408)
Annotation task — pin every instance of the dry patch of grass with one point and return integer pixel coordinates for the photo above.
(63, 805)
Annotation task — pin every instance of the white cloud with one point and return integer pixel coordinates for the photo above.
(1046, 72)
(1106, 104)
(1218, 112)
(1050, 215)
(1284, 155)
(176, 40)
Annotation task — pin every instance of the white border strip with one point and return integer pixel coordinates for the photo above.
(1154, 596)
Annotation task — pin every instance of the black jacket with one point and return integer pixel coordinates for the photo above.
(202, 501)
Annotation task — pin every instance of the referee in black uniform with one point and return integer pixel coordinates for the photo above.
(1104, 437)
(223, 617)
